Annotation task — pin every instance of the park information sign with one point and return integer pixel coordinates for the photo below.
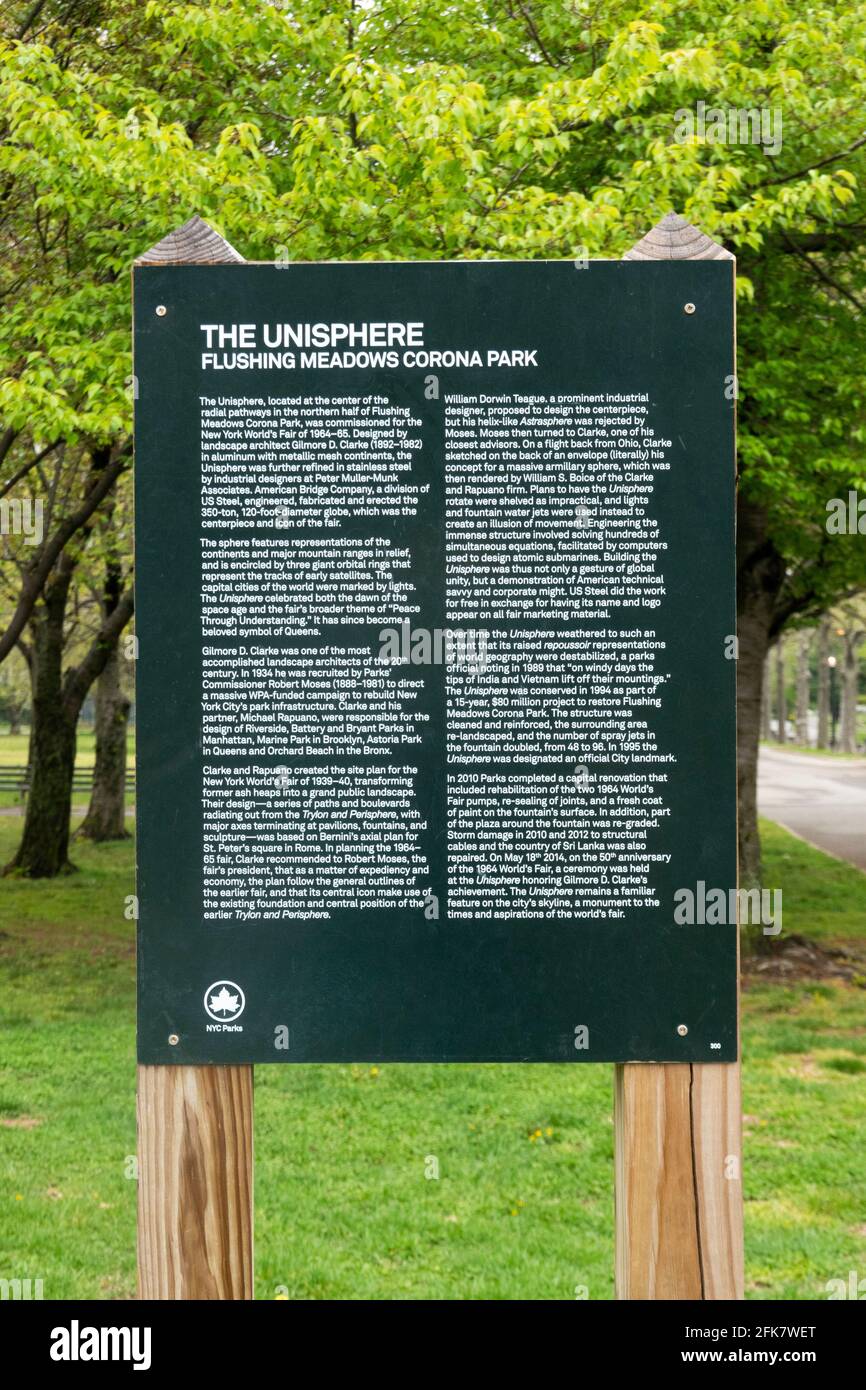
(435, 596)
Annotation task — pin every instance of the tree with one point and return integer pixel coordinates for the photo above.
(823, 740)
(106, 814)
(64, 663)
(853, 640)
(781, 693)
(766, 701)
(398, 129)
(804, 646)
(57, 700)
(53, 637)
(14, 691)
(849, 627)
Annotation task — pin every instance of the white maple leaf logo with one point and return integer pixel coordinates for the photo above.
(224, 1003)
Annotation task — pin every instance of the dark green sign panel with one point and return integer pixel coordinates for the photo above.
(435, 604)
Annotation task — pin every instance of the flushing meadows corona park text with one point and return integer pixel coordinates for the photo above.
(378, 344)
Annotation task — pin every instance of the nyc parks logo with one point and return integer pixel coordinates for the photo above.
(224, 1002)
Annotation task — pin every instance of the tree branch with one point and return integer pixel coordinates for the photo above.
(822, 275)
(25, 468)
(40, 568)
(820, 164)
(531, 26)
(7, 439)
(78, 681)
(30, 18)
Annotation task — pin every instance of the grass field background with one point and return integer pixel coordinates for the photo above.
(523, 1206)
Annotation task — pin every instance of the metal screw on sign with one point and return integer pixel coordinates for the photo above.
(161, 311)
(682, 1030)
(689, 308)
(173, 1039)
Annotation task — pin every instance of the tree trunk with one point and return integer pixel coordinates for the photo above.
(850, 682)
(766, 702)
(823, 684)
(781, 697)
(760, 575)
(44, 848)
(106, 814)
(803, 648)
(752, 628)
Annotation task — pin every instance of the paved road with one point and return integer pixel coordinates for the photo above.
(821, 799)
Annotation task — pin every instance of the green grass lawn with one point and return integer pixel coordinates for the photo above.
(14, 748)
(825, 897)
(523, 1206)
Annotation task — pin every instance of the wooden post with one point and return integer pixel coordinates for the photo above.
(678, 1127)
(195, 1124)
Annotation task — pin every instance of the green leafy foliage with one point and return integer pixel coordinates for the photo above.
(403, 129)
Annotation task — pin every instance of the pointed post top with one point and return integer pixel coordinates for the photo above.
(195, 243)
(675, 239)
